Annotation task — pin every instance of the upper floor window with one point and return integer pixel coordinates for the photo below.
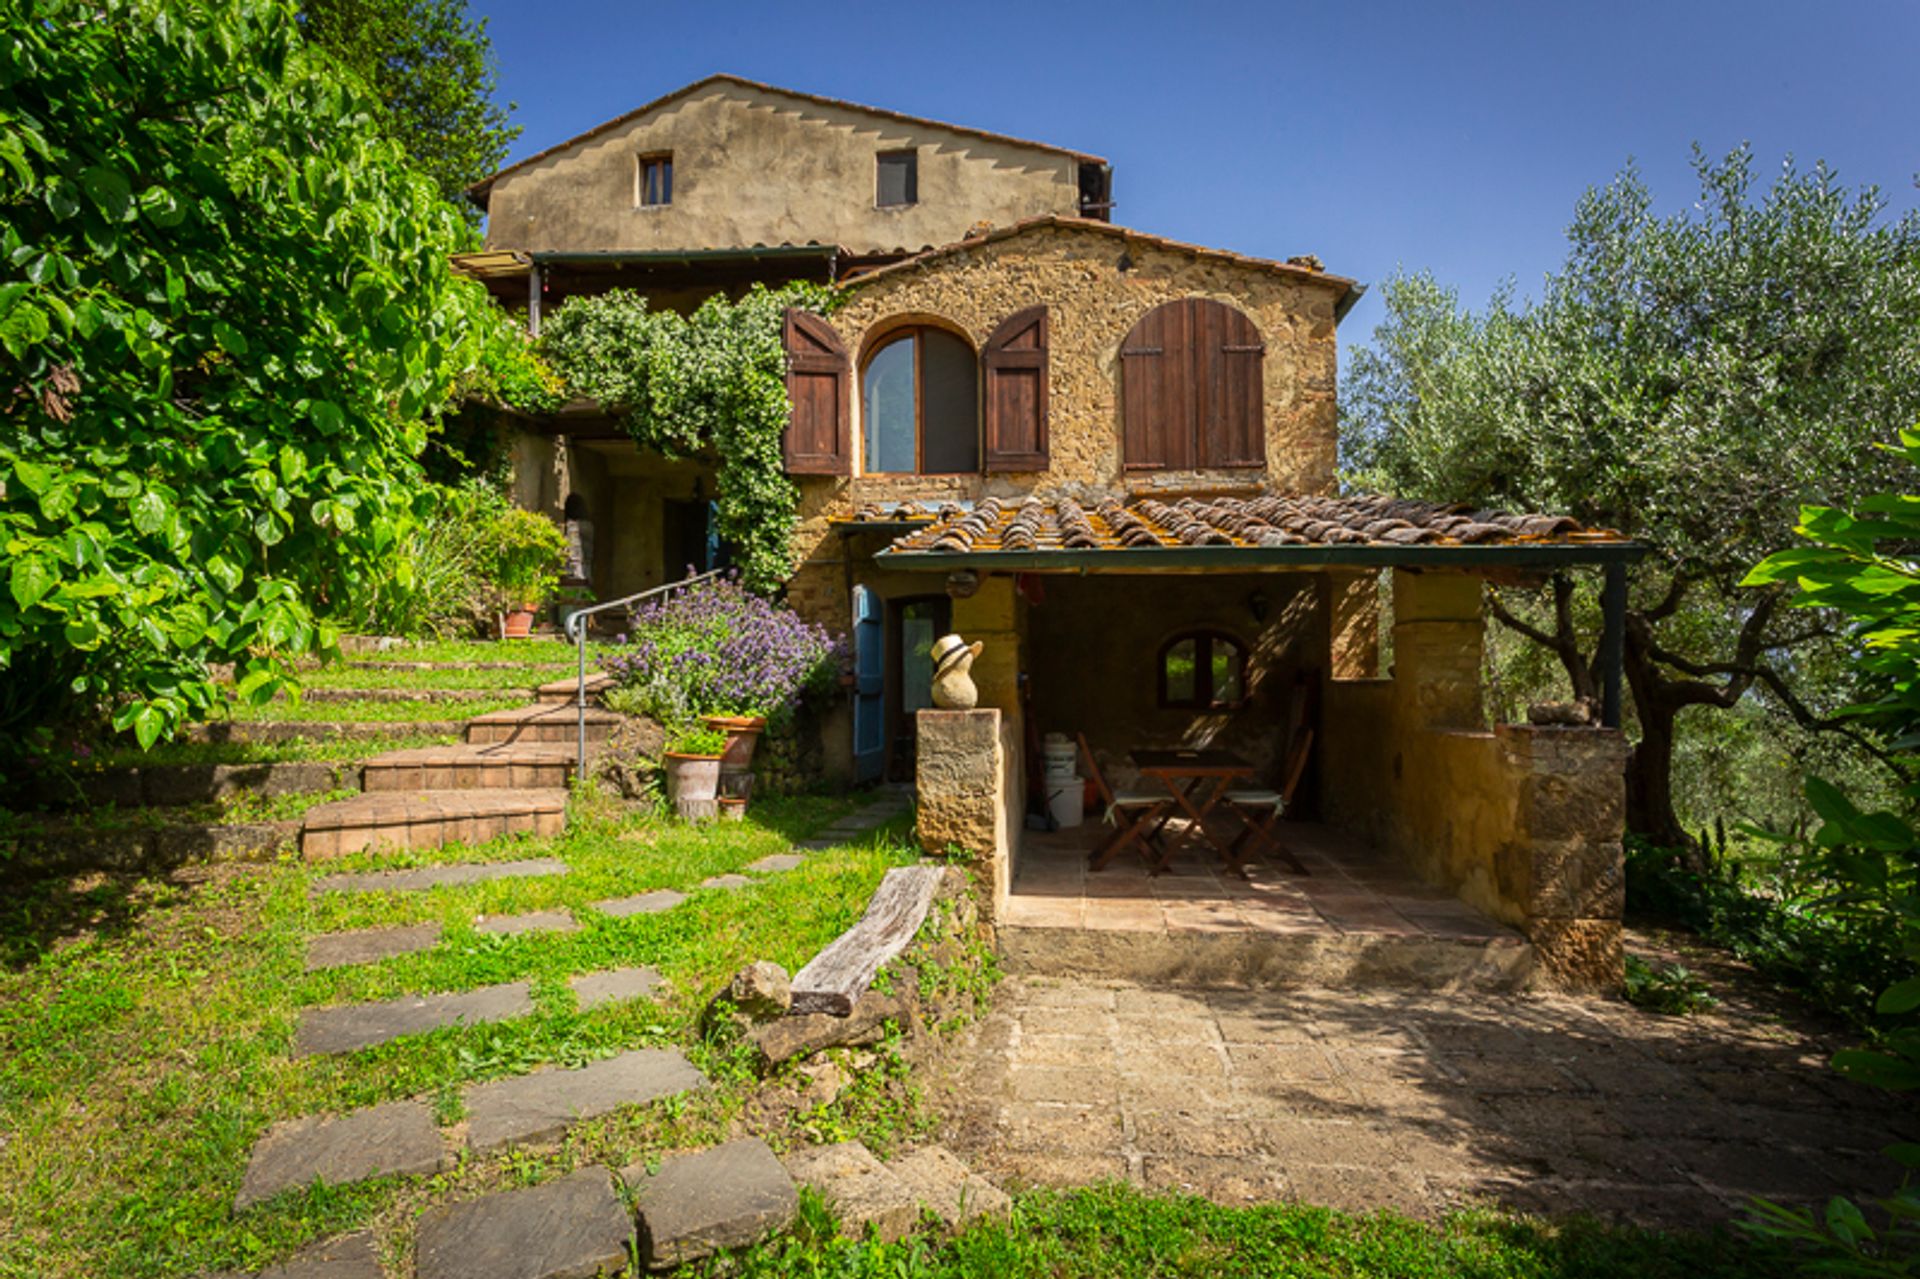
(1191, 389)
(1203, 670)
(919, 404)
(656, 179)
(897, 179)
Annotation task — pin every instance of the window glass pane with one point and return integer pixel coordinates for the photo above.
(897, 179)
(950, 403)
(1180, 673)
(917, 625)
(1226, 670)
(886, 407)
(656, 181)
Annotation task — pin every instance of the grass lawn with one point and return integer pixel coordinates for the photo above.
(331, 750)
(145, 1029)
(1118, 1230)
(527, 650)
(376, 712)
(521, 679)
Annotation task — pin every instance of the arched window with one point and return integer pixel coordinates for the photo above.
(1190, 389)
(920, 404)
(1203, 670)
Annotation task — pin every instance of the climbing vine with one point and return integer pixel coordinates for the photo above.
(713, 382)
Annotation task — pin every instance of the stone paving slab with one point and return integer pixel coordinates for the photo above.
(369, 945)
(696, 1205)
(573, 1228)
(726, 882)
(347, 1027)
(425, 877)
(540, 1106)
(775, 863)
(347, 1257)
(942, 1184)
(397, 1137)
(538, 921)
(640, 903)
(614, 985)
(1413, 1100)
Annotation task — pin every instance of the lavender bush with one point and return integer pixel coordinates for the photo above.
(719, 649)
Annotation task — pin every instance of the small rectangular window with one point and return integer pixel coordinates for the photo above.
(656, 179)
(898, 179)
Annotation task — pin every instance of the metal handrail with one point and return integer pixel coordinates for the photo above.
(576, 629)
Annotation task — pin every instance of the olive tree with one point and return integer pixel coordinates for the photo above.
(226, 319)
(1691, 380)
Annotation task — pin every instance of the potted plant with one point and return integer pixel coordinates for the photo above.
(742, 732)
(692, 765)
(524, 555)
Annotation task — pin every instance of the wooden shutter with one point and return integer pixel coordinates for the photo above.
(819, 382)
(1014, 366)
(1227, 354)
(1190, 389)
(1156, 400)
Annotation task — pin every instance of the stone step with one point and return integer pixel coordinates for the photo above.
(507, 765)
(344, 1028)
(533, 669)
(568, 1228)
(370, 945)
(543, 1105)
(428, 819)
(696, 1205)
(549, 724)
(565, 691)
(342, 1257)
(397, 1137)
(892, 1197)
(421, 878)
(297, 730)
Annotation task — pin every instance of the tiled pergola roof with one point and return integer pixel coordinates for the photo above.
(1277, 528)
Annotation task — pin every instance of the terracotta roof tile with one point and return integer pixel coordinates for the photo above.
(1061, 522)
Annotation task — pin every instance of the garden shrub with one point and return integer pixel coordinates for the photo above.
(716, 648)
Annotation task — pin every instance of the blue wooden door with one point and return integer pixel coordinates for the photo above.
(869, 687)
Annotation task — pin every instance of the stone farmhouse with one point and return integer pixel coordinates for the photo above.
(1110, 457)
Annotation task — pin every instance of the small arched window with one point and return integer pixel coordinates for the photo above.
(1203, 670)
(920, 404)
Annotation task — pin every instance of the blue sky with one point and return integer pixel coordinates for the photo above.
(1452, 137)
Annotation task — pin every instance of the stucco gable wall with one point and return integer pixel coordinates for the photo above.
(752, 167)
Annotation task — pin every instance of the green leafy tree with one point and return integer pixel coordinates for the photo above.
(226, 317)
(1690, 380)
(712, 385)
(1861, 563)
(432, 68)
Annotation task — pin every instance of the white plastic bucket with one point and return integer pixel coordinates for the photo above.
(1061, 755)
(1067, 803)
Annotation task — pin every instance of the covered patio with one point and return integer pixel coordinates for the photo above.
(1231, 625)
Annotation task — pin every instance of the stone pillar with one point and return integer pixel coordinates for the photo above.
(1353, 605)
(1437, 636)
(1567, 866)
(961, 771)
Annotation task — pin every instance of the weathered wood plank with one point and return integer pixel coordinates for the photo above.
(841, 973)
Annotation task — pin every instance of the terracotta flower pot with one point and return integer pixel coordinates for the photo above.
(517, 624)
(732, 810)
(693, 784)
(742, 731)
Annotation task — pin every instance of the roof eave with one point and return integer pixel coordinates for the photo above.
(1229, 558)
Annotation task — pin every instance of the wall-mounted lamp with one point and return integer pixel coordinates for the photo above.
(1257, 604)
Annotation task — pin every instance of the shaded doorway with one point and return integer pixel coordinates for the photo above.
(912, 627)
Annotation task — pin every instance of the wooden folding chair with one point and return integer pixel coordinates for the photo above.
(1134, 815)
(1260, 810)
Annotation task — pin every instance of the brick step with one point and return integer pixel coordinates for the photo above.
(507, 765)
(416, 819)
(540, 724)
(310, 730)
(533, 669)
(563, 691)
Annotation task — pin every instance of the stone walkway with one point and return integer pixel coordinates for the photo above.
(1416, 1102)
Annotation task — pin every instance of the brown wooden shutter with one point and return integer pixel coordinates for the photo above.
(818, 439)
(1156, 404)
(1227, 354)
(1190, 389)
(1014, 367)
